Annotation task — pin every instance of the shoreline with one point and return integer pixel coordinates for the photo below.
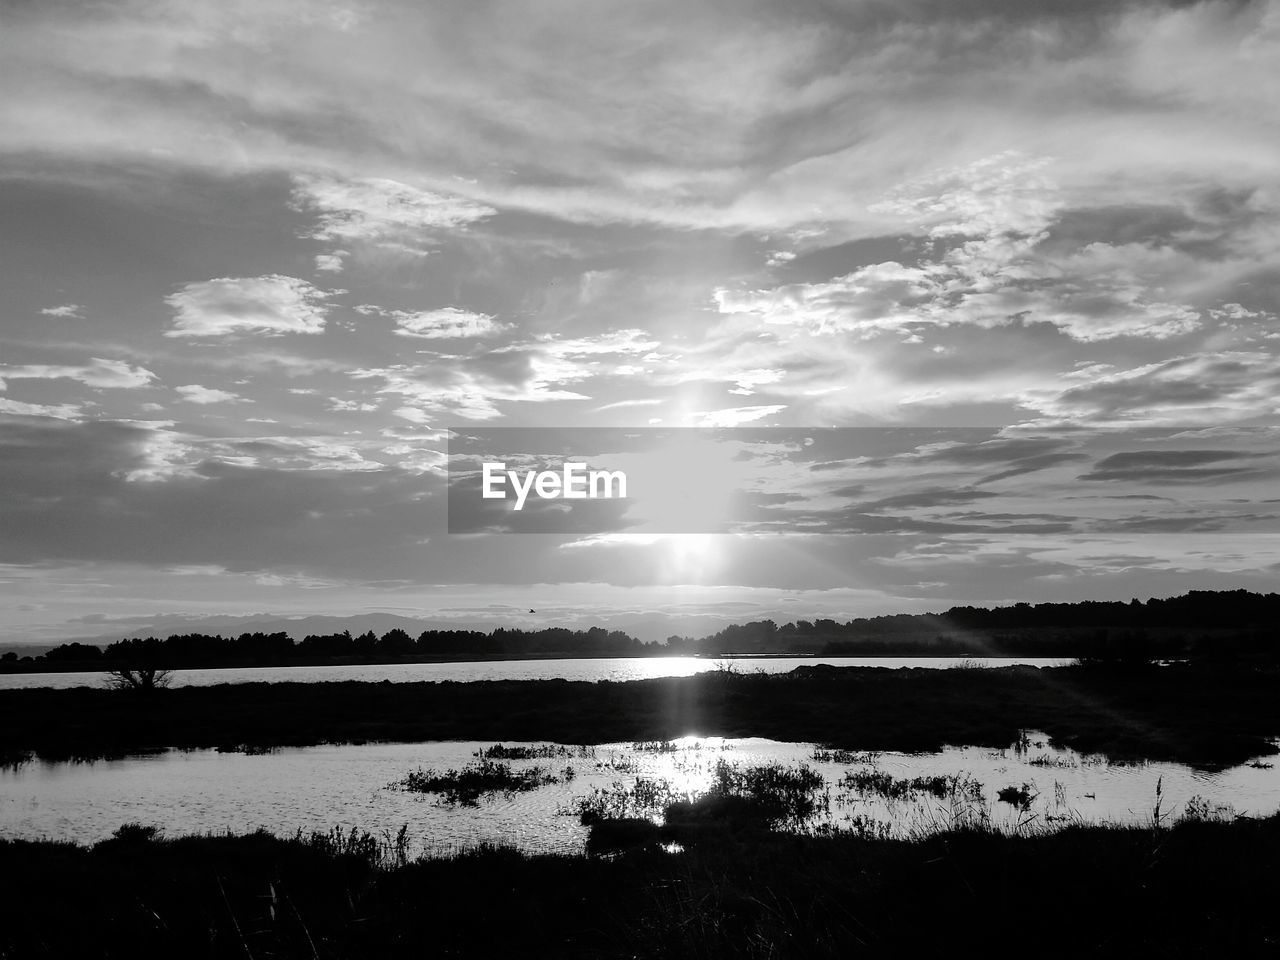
(22, 668)
(1208, 716)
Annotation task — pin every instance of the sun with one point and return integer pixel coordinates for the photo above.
(692, 557)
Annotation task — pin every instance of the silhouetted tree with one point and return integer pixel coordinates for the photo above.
(366, 644)
(396, 643)
(139, 679)
(73, 652)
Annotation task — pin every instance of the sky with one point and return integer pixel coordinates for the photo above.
(260, 258)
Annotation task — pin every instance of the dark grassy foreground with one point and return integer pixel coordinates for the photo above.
(1193, 889)
(1205, 714)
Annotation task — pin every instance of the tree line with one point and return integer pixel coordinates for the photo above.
(1199, 623)
(190, 650)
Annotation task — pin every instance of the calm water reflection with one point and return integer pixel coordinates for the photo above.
(608, 668)
(316, 788)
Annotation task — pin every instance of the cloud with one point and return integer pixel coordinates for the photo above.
(137, 494)
(65, 311)
(996, 450)
(532, 371)
(926, 499)
(330, 262)
(1234, 311)
(1033, 465)
(627, 341)
(59, 411)
(1002, 264)
(469, 388)
(443, 324)
(747, 380)
(762, 116)
(272, 305)
(294, 453)
(840, 172)
(352, 406)
(736, 416)
(99, 373)
(381, 213)
(194, 393)
(1209, 388)
(624, 404)
(1186, 466)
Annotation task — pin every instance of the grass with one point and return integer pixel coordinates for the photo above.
(249, 749)
(770, 796)
(656, 746)
(1021, 796)
(882, 784)
(477, 780)
(1209, 715)
(781, 795)
(838, 755)
(1203, 885)
(646, 798)
(544, 751)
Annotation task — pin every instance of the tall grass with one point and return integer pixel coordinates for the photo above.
(882, 784)
(644, 798)
(380, 851)
(542, 751)
(1201, 884)
(478, 779)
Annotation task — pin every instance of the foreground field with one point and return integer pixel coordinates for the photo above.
(726, 874)
(737, 889)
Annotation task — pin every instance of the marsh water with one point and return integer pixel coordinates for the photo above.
(601, 668)
(317, 788)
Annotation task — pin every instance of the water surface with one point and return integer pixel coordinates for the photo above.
(603, 668)
(316, 788)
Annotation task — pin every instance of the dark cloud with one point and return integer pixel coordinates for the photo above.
(854, 521)
(1079, 227)
(1185, 466)
(66, 496)
(839, 449)
(1169, 458)
(1033, 464)
(926, 499)
(1178, 524)
(1211, 388)
(1201, 225)
(1016, 450)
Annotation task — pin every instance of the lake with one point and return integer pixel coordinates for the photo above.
(317, 788)
(603, 668)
